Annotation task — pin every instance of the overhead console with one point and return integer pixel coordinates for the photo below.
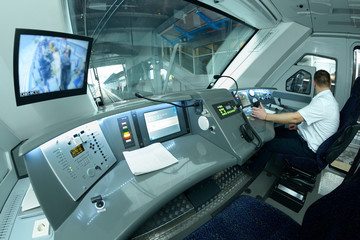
(81, 177)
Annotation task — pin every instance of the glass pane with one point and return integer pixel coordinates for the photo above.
(162, 46)
(4, 169)
(356, 63)
(321, 63)
(300, 82)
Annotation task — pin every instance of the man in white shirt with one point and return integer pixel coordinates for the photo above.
(318, 121)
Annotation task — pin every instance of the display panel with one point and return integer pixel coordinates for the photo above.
(49, 65)
(162, 123)
(248, 97)
(77, 150)
(225, 109)
(243, 97)
(159, 123)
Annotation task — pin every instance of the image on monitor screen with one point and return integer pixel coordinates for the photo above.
(49, 65)
(244, 98)
(161, 123)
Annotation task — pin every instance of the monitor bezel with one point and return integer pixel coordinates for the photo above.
(144, 139)
(50, 95)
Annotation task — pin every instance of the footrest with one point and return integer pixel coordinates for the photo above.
(288, 196)
(298, 179)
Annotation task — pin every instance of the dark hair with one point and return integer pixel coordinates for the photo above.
(322, 78)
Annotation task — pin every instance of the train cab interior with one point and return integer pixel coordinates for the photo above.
(132, 119)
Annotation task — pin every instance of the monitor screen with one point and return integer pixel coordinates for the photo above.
(242, 97)
(49, 65)
(161, 123)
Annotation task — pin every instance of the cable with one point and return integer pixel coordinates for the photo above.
(238, 105)
(139, 95)
(216, 77)
(259, 144)
(220, 76)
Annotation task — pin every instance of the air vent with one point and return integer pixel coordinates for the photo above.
(8, 215)
(340, 23)
(265, 40)
(354, 11)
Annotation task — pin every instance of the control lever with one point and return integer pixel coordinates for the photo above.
(284, 106)
(247, 132)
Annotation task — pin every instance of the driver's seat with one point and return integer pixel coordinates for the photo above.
(331, 148)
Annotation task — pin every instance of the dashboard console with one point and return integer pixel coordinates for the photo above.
(73, 171)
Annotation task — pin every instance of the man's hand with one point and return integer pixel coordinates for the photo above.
(259, 113)
(282, 118)
(292, 127)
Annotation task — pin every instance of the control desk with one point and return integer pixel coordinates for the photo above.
(83, 182)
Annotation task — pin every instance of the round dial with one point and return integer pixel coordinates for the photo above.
(251, 92)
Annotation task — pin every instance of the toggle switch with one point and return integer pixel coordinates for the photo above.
(84, 137)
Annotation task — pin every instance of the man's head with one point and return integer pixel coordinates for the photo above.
(322, 79)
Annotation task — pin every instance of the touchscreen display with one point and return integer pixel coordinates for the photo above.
(161, 123)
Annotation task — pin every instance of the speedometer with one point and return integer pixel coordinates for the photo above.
(251, 92)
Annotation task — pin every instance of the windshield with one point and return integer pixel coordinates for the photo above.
(154, 46)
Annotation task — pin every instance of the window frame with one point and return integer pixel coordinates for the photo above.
(292, 78)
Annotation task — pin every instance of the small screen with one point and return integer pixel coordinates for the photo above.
(48, 64)
(162, 122)
(225, 109)
(77, 150)
(243, 96)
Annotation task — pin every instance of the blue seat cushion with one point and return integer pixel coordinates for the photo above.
(248, 218)
(336, 215)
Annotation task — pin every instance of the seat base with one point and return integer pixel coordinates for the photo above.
(292, 188)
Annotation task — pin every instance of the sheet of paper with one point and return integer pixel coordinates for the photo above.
(30, 201)
(269, 111)
(149, 159)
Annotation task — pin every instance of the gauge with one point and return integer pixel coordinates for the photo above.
(251, 92)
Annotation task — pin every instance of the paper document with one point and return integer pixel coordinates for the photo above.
(269, 111)
(30, 201)
(149, 159)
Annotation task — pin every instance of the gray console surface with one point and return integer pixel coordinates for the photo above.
(130, 200)
(87, 193)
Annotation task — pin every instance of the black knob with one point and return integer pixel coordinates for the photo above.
(99, 202)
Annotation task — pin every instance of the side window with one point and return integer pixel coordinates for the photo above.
(321, 63)
(356, 63)
(4, 166)
(300, 82)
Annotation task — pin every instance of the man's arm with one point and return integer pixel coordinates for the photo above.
(282, 118)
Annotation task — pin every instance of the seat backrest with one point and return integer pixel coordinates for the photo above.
(331, 148)
(337, 214)
(351, 110)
